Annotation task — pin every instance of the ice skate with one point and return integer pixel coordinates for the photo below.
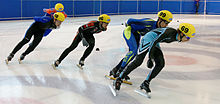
(55, 65)
(117, 83)
(112, 78)
(81, 64)
(21, 58)
(7, 61)
(9, 58)
(113, 72)
(114, 92)
(115, 87)
(127, 78)
(144, 86)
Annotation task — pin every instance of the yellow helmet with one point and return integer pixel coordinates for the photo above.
(59, 16)
(165, 15)
(187, 29)
(59, 7)
(104, 18)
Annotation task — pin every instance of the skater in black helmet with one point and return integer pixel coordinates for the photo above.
(38, 30)
(150, 44)
(85, 33)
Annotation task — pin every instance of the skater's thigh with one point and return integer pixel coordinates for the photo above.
(30, 32)
(131, 42)
(37, 38)
(158, 56)
(90, 40)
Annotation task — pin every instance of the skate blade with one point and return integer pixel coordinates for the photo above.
(19, 61)
(79, 66)
(143, 93)
(6, 61)
(112, 78)
(114, 92)
(54, 67)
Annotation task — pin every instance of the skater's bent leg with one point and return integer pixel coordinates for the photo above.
(87, 52)
(132, 45)
(20, 45)
(36, 41)
(159, 64)
(74, 44)
(129, 57)
(119, 64)
(25, 40)
(136, 63)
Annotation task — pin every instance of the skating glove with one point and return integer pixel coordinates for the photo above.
(150, 63)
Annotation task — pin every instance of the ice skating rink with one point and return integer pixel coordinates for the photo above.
(191, 74)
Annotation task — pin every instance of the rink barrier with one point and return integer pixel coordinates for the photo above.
(25, 9)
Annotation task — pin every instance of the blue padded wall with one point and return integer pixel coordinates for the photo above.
(17, 9)
(109, 7)
(213, 7)
(34, 8)
(10, 8)
(148, 6)
(83, 8)
(127, 7)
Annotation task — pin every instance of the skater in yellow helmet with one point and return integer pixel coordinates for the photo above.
(58, 8)
(150, 44)
(50, 12)
(132, 34)
(38, 30)
(85, 34)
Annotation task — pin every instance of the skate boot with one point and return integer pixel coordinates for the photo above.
(56, 63)
(119, 72)
(117, 83)
(21, 58)
(127, 78)
(145, 86)
(113, 72)
(81, 64)
(9, 58)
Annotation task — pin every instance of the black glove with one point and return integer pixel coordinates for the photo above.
(84, 42)
(150, 63)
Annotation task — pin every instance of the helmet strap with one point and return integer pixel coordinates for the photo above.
(159, 20)
(100, 26)
(181, 37)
